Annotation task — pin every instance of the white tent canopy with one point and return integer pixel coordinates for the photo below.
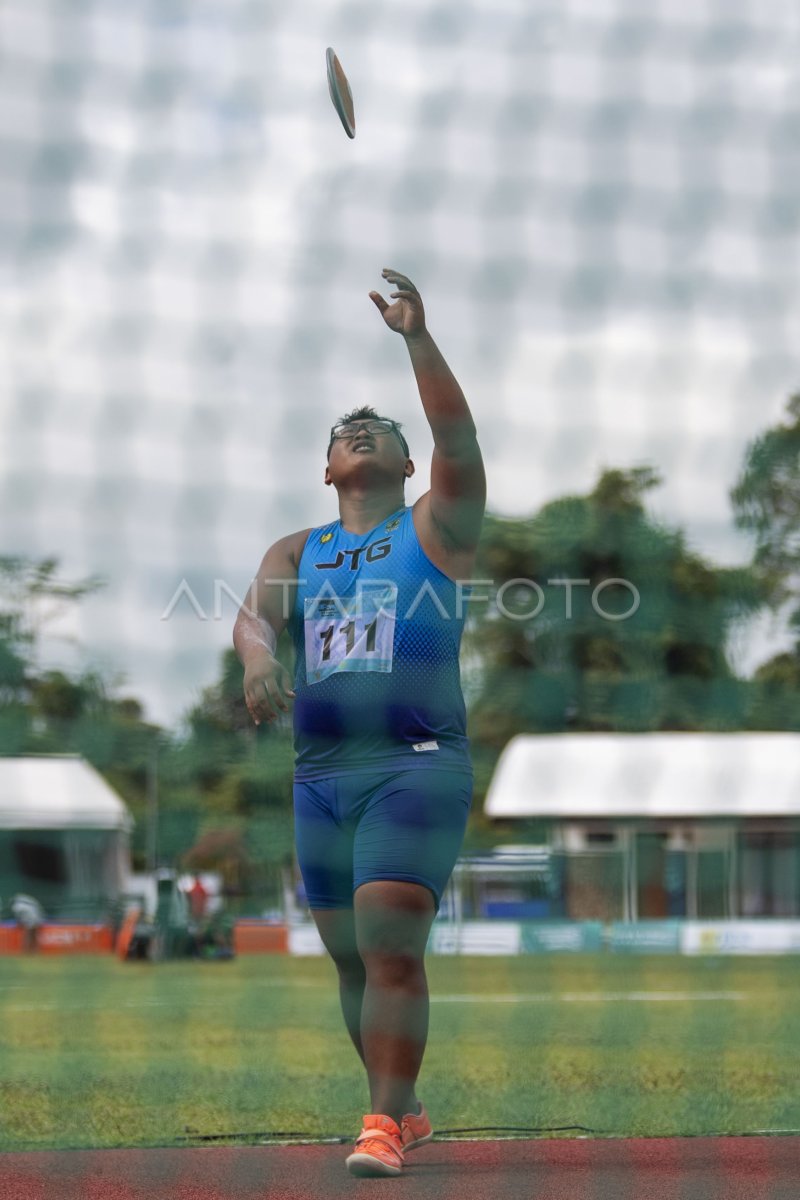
(601, 775)
(58, 792)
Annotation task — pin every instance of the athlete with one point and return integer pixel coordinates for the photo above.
(375, 604)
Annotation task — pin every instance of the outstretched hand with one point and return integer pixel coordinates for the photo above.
(406, 315)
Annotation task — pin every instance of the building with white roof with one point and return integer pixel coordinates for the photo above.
(694, 825)
(64, 836)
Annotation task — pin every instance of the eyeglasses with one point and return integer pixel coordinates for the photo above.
(349, 429)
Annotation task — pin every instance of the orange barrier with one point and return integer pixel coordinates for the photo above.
(256, 937)
(125, 935)
(249, 937)
(75, 939)
(11, 938)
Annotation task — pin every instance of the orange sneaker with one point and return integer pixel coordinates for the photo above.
(378, 1149)
(415, 1129)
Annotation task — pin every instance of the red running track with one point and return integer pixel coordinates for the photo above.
(742, 1168)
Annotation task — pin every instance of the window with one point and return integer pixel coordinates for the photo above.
(769, 873)
(40, 860)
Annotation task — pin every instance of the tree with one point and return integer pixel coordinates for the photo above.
(613, 623)
(32, 594)
(233, 769)
(222, 709)
(776, 694)
(766, 500)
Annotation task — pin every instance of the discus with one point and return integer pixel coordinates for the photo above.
(340, 92)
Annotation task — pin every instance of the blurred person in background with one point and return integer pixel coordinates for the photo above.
(198, 899)
(28, 913)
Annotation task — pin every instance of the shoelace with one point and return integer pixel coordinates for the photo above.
(364, 1144)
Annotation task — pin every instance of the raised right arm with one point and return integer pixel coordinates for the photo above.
(261, 619)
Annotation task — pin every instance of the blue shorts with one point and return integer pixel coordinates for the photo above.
(372, 825)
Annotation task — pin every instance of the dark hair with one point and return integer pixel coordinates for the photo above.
(367, 413)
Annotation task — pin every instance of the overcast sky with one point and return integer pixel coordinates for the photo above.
(596, 198)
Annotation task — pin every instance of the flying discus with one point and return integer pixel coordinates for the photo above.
(340, 92)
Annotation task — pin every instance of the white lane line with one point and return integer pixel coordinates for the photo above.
(583, 997)
(138, 1002)
(456, 998)
(58, 1006)
(289, 983)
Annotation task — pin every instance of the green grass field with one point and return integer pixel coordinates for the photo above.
(96, 1052)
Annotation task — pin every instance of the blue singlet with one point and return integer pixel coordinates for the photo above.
(376, 629)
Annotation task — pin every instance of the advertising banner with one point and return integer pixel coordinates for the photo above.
(570, 937)
(740, 937)
(476, 937)
(75, 939)
(644, 937)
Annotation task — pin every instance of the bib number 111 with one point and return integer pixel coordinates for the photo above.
(352, 634)
(349, 631)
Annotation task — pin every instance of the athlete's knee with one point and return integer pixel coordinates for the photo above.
(399, 940)
(396, 972)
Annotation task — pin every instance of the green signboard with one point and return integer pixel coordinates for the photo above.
(644, 937)
(549, 937)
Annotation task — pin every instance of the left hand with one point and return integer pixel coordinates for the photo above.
(406, 315)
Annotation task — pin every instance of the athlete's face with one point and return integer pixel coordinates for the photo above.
(367, 452)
